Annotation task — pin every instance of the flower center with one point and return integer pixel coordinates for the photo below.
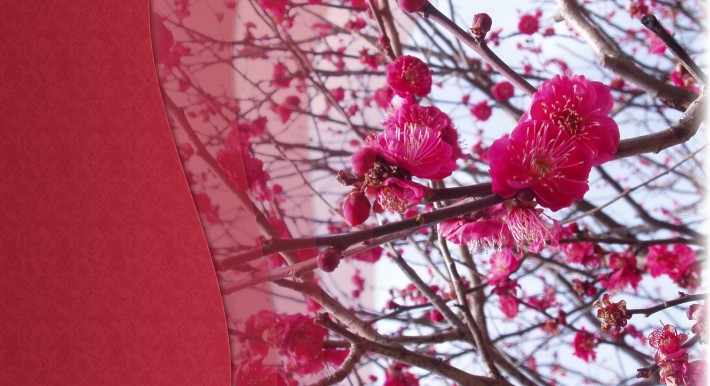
(540, 167)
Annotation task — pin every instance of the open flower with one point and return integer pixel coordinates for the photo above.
(398, 194)
(584, 344)
(539, 156)
(421, 150)
(581, 108)
(409, 76)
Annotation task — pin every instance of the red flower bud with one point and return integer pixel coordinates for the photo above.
(356, 208)
(412, 5)
(482, 23)
(328, 259)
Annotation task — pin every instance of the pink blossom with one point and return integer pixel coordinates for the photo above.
(624, 272)
(421, 150)
(657, 47)
(668, 342)
(637, 9)
(528, 24)
(430, 116)
(280, 77)
(363, 160)
(409, 76)
(485, 229)
(277, 8)
(481, 111)
(584, 345)
(526, 226)
(509, 303)
(581, 108)
(356, 208)
(503, 263)
(583, 252)
(503, 91)
(383, 96)
(539, 156)
(397, 194)
(673, 260)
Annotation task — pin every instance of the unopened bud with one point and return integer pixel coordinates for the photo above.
(481, 25)
(412, 5)
(328, 259)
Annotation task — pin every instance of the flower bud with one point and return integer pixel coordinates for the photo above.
(356, 208)
(482, 23)
(363, 160)
(412, 5)
(328, 259)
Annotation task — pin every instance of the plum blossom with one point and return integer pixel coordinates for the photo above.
(409, 76)
(397, 194)
(481, 111)
(624, 272)
(584, 344)
(503, 263)
(539, 156)
(581, 108)
(526, 226)
(422, 150)
(506, 289)
(503, 91)
(672, 260)
(528, 24)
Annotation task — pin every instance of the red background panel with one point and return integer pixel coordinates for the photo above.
(105, 275)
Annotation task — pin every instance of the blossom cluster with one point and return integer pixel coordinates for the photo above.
(551, 151)
(672, 358)
(417, 141)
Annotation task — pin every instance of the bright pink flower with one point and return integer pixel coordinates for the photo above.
(583, 252)
(356, 208)
(673, 260)
(363, 160)
(680, 372)
(584, 345)
(430, 116)
(421, 150)
(624, 272)
(668, 342)
(409, 76)
(539, 156)
(581, 108)
(485, 229)
(397, 194)
(277, 8)
(509, 303)
(503, 91)
(301, 343)
(503, 263)
(528, 24)
(383, 96)
(481, 111)
(544, 301)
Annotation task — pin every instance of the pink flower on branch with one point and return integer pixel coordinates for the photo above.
(409, 76)
(539, 156)
(397, 194)
(581, 108)
(584, 344)
(624, 272)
